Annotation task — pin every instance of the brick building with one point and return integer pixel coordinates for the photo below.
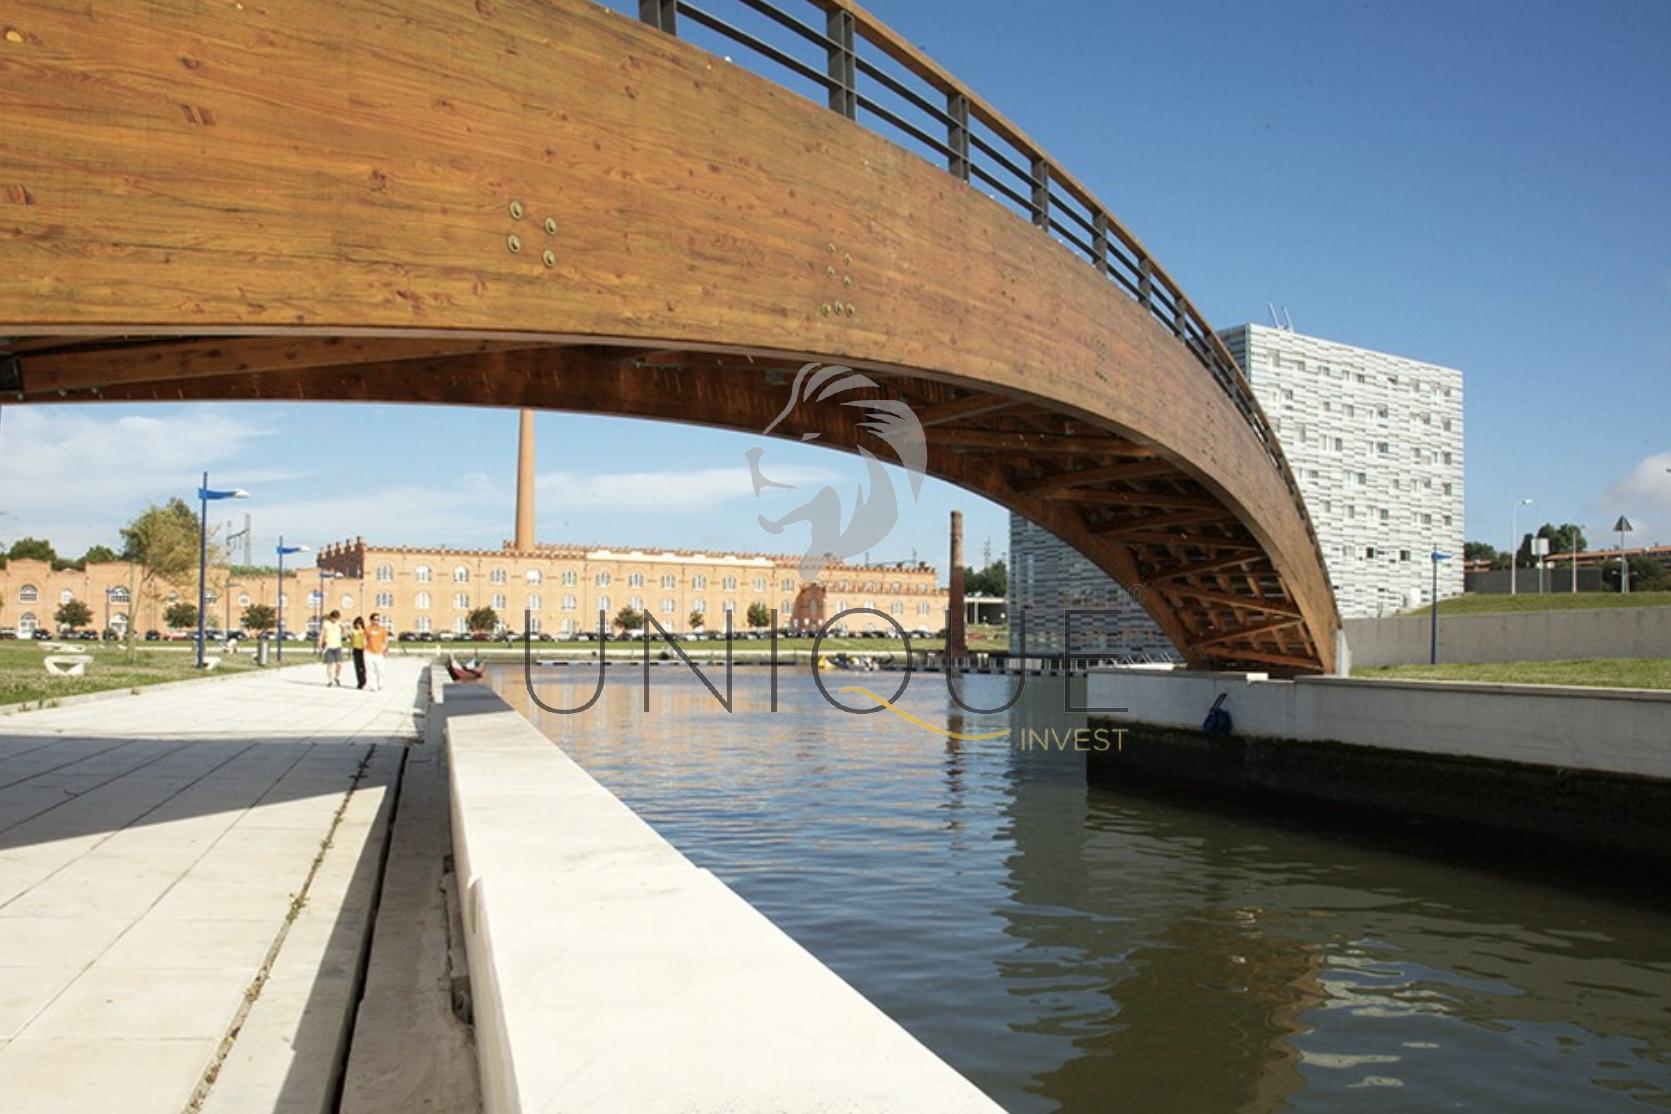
(31, 592)
(565, 586)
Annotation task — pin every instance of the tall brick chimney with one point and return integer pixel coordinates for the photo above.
(525, 483)
(957, 645)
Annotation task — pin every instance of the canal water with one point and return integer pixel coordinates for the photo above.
(1086, 950)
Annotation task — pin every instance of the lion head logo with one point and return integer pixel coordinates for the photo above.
(836, 535)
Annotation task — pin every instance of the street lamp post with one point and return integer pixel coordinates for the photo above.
(1623, 526)
(1514, 539)
(1433, 647)
(282, 550)
(204, 497)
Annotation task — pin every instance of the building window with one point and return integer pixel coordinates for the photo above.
(461, 575)
(385, 599)
(896, 609)
(699, 582)
(28, 593)
(314, 598)
(730, 605)
(667, 580)
(461, 625)
(532, 576)
(118, 595)
(534, 602)
(423, 624)
(636, 603)
(385, 572)
(1404, 555)
(533, 624)
(729, 584)
(26, 624)
(788, 585)
(243, 600)
(635, 580)
(570, 578)
(603, 604)
(66, 596)
(284, 599)
(568, 603)
(347, 600)
(923, 609)
(461, 600)
(421, 574)
(759, 584)
(602, 580)
(667, 605)
(497, 576)
(698, 606)
(499, 602)
(421, 601)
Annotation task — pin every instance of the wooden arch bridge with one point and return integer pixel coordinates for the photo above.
(547, 203)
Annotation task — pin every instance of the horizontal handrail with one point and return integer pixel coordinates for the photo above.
(982, 147)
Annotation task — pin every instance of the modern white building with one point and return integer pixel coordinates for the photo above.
(1375, 444)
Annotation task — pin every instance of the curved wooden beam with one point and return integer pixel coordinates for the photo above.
(538, 202)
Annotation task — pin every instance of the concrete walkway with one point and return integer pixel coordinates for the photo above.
(154, 852)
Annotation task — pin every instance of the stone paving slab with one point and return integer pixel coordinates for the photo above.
(150, 852)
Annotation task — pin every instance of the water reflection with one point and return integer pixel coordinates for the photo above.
(1076, 949)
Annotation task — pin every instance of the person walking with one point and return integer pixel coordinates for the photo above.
(330, 648)
(357, 641)
(377, 643)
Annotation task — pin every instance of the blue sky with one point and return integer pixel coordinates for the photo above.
(1482, 185)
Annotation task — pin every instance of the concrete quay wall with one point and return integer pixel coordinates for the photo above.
(1613, 632)
(611, 974)
(1540, 768)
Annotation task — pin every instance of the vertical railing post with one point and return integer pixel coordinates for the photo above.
(957, 135)
(659, 14)
(843, 67)
(1041, 193)
(1099, 240)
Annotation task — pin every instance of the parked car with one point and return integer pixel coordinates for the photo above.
(42, 636)
(153, 636)
(8, 632)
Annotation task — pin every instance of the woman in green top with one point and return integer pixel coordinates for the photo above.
(357, 639)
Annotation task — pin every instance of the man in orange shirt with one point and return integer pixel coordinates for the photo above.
(377, 642)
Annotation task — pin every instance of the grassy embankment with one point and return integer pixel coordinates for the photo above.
(1481, 603)
(1632, 673)
(23, 676)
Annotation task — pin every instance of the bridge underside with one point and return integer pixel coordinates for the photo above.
(544, 204)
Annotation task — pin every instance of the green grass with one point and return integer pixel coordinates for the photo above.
(1480, 603)
(1630, 673)
(23, 677)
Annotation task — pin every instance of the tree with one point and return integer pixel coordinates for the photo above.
(695, 620)
(180, 615)
(1565, 538)
(628, 619)
(1478, 551)
(993, 580)
(73, 615)
(482, 619)
(162, 544)
(259, 617)
(38, 549)
(1646, 575)
(98, 555)
(759, 615)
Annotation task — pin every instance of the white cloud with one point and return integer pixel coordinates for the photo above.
(1643, 495)
(667, 492)
(74, 476)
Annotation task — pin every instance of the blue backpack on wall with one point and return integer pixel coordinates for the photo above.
(1218, 720)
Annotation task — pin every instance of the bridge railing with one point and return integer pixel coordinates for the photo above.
(834, 51)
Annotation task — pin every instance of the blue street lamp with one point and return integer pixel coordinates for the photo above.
(204, 497)
(1433, 649)
(282, 550)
